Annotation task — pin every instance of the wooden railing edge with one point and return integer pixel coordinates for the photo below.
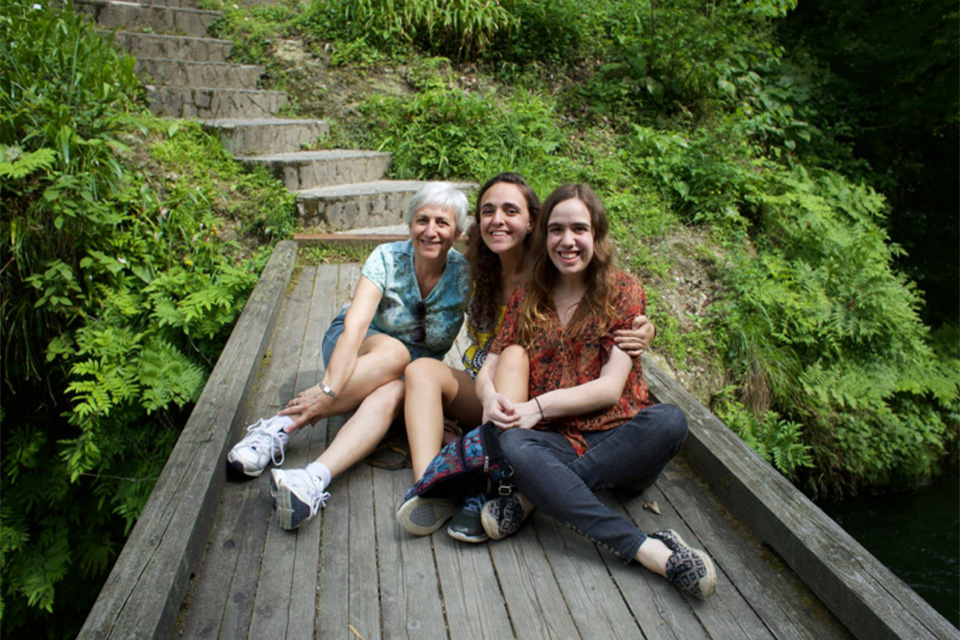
(867, 597)
(143, 593)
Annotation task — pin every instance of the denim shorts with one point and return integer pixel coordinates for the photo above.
(333, 333)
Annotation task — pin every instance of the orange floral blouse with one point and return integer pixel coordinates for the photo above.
(561, 359)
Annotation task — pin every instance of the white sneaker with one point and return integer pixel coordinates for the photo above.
(264, 441)
(297, 495)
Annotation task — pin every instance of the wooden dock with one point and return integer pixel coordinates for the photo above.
(208, 560)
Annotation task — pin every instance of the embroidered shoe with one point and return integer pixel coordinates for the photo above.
(422, 516)
(297, 495)
(466, 525)
(689, 570)
(504, 515)
(262, 445)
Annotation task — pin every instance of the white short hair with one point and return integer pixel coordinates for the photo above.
(442, 195)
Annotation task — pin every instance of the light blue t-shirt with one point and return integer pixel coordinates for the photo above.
(390, 268)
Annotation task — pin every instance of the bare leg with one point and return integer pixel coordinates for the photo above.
(433, 390)
(512, 377)
(380, 360)
(653, 555)
(365, 429)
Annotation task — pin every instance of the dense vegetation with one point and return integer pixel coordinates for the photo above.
(130, 244)
(129, 248)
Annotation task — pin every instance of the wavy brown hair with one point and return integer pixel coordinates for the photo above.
(484, 306)
(596, 306)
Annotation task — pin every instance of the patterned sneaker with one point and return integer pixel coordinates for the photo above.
(298, 496)
(504, 515)
(265, 439)
(689, 570)
(422, 516)
(466, 525)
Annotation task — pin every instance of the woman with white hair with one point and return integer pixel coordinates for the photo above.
(408, 304)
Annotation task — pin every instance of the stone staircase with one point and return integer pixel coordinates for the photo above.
(188, 76)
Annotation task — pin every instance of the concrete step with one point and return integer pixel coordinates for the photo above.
(260, 136)
(151, 45)
(205, 102)
(182, 4)
(189, 73)
(366, 204)
(159, 19)
(309, 169)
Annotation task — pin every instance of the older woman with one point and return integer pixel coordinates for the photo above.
(408, 304)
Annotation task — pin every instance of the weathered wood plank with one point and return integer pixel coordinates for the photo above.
(227, 585)
(864, 594)
(726, 614)
(142, 595)
(533, 598)
(662, 612)
(595, 601)
(409, 592)
(332, 604)
(472, 597)
(363, 586)
(786, 606)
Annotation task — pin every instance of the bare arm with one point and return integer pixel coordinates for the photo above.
(584, 398)
(314, 403)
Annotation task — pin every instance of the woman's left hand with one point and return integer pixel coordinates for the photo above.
(308, 407)
(637, 339)
(528, 414)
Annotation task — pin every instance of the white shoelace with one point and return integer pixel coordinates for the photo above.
(259, 434)
(320, 499)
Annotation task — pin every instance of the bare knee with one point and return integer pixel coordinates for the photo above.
(514, 357)
(423, 372)
(390, 354)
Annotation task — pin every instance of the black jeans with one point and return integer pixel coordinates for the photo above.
(549, 473)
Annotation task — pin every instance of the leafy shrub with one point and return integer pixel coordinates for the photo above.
(124, 272)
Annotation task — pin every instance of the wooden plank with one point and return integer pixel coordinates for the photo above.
(409, 591)
(533, 598)
(142, 595)
(725, 614)
(786, 606)
(227, 584)
(595, 601)
(864, 594)
(332, 605)
(363, 586)
(472, 596)
(325, 303)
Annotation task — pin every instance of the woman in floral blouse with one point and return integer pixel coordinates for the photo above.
(573, 408)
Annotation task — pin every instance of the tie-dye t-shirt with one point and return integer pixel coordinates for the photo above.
(390, 268)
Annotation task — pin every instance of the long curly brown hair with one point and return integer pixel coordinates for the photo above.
(484, 309)
(596, 306)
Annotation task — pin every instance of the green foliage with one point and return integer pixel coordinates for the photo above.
(130, 247)
(446, 133)
(776, 440)
(820, 328)
(457, 28)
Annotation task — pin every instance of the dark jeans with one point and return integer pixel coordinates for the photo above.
(549, 473)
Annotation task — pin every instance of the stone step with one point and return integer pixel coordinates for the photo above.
(181, 4)
(260, 136)
(309, 169)
(367, 204)
(160, 19)
(190, 73)
(151, 45)
(205, 102)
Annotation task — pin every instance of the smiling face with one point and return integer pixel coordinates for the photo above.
(504, 218)
(570, 238)
(433, 231)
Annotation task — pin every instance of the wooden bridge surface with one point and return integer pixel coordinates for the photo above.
(353, 573)
(207, 559)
